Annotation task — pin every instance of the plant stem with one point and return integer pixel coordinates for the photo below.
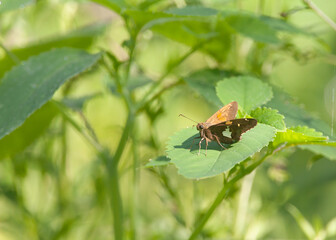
(72, 122)
(223, 194)
(320, 13)
(113, 179)
(11, 55)
(136, 179)
(115, 200)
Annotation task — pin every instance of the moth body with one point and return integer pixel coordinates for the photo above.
(224, 120)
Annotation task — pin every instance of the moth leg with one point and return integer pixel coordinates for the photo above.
(200, 145)
(193, 142)
(219, 142)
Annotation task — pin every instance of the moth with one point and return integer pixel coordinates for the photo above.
(223, 119)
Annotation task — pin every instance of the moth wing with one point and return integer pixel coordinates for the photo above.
(237, 127)
(218, 130)
(227, 112)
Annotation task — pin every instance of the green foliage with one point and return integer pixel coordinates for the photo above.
(31, 84)
(13, 5)
(294, 114)
(84, 158)
(204, 82)
(77, 104)
(249, 92)
(81, 38)
(326, 149)
(28, 132)
(298, 135)
(217, 160)
(269, 116)
(158, 161)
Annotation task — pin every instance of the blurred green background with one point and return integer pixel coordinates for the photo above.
(47, 192)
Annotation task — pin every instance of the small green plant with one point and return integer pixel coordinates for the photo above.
(217, 51)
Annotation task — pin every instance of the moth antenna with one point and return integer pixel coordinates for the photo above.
(181, 115)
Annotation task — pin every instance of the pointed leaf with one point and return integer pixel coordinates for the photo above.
(31, 84)
(217, 161)
(249, 92)
(298, 136)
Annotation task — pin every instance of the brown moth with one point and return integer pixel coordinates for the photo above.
(223, 119)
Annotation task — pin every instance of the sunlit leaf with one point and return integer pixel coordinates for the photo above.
(28, 86)
(249, 92)
(270, 117)
(217, 161)
(297, 136)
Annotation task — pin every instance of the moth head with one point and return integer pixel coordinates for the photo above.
(200, 126)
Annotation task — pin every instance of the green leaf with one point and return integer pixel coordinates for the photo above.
(281, 25)
(31, 84)
(327, 149)
(81, 39)
(204, 82)
(115, 5)
(217, 161)
(308, 131)
(9, 5)
(159, 161)
(77, 104)
(270, 117)
(28, 132)
(249, 92)
(188, 30)
(294, 114)
(298, 136)
(195, 11)
(251, 26)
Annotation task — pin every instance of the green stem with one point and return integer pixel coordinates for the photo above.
(223, 194)
(12, 56)
(320, 13)
(261, 6)
(70, 120)
(136, 179)
(113, 180)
